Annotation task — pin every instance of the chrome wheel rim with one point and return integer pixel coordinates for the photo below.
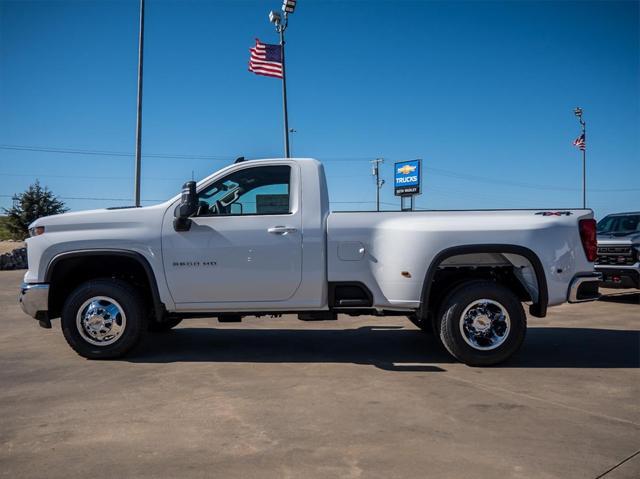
(101, 321)
(485, 324)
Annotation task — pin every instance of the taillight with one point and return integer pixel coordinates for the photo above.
(589, 239)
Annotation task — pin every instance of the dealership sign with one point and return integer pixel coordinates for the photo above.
(407, 178)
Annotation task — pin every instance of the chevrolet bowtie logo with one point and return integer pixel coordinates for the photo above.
(406, 169)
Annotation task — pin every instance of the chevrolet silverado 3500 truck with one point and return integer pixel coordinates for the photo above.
(257, 238)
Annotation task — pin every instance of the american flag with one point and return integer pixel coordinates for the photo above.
(266, 60)
(580, 142)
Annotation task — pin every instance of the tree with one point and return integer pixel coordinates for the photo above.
(34, 203)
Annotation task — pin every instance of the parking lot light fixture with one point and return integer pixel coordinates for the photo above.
(288, 6)
(274, 17)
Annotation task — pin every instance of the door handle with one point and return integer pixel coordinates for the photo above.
(281, 230)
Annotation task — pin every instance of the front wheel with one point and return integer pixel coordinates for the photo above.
(482, 323)
(103, 319)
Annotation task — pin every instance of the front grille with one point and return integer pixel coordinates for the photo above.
(616, 255)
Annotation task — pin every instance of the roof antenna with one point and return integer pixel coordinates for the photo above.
(240, 159)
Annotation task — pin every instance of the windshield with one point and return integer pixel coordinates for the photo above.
(623, 224)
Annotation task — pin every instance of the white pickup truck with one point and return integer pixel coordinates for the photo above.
(258, 238)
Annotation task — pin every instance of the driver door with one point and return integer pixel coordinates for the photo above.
(244, 244)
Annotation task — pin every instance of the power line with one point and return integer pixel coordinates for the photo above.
(84, 177)
(77, 151)
(160, 201)
(179, 156)
(485, 179)
(438, 172)
(91, 198)
(122, 154)
(198, 157)
(102, 177)
(51, 149)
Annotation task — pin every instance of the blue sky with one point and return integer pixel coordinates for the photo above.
(483, 92)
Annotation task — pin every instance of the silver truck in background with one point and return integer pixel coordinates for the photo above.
(619, 250)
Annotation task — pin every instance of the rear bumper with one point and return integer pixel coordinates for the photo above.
(620, 276)
(584, 288)
(34, 299)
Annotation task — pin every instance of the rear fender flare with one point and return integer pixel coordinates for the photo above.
(538, 308)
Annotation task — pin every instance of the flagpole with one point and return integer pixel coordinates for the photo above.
(281, 22)
(584, 164)
(583, 147)
(284, 90)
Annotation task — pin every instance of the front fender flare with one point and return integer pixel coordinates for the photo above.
(158, 306)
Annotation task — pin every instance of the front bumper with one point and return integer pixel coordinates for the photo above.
(34, 300)
(584, 288)
(621, 276)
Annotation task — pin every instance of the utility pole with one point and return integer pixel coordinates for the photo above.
(139, 113)
(281, 22)
(581, 143)
(379, 182)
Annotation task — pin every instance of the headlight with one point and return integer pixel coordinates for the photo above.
(37, 231)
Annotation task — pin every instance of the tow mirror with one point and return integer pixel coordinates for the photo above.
(187, 207)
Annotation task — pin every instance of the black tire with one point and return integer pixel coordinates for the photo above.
(123, 294)
(163, 326)
(425, 325)
(451, 326)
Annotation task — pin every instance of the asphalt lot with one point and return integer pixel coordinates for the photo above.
(358, 397)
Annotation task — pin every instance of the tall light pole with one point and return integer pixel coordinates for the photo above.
(582, 144)
(281, 22)
(139, 111)
(379, 182)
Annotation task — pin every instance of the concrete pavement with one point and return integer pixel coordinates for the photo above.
(357, 397)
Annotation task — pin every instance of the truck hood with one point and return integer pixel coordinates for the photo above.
(618, 239)
(100, 219)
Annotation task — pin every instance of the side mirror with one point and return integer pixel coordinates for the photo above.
(187, 207)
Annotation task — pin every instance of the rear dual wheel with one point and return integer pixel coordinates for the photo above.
(481, 323)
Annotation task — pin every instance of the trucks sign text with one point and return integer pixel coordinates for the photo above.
(407, 177)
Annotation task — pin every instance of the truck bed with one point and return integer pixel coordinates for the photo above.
(390, 252)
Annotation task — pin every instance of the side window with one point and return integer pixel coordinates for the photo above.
(263, 190)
